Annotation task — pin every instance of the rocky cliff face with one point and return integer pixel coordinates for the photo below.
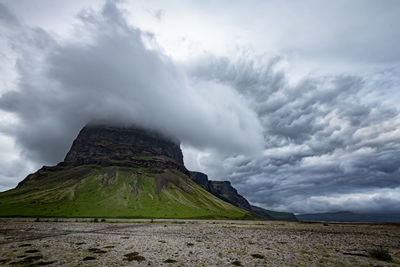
(125, 146)
(221, 189)
(115, 171)
(201, 179)
(100, 143)
(143, 153)
(106, 145)
(225, 191)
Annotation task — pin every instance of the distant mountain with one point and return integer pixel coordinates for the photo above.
(273, 215)
(347, 216)
(115, 171)
(225, 191)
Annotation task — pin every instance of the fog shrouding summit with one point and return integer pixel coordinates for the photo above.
(326, 142)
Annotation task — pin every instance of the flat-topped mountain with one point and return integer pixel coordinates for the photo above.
(115, 171)
(99, 144)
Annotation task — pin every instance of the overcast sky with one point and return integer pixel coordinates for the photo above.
(295, 102)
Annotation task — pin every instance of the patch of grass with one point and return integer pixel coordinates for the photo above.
(43, 263)
(258, 256)
(240, 252)
(236, 263)
(33, 258)
(97, 250)
(220, 254)
(27, 261)
(74, 192)
(32, 251)
(303, 251)
(134, 256)
(170, 261)
(380, 254)
(72, 231)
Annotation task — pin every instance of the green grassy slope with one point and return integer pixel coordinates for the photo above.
(93, 191)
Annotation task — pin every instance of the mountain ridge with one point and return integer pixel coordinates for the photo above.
(225, 191)
(348, 216)
(124, 172)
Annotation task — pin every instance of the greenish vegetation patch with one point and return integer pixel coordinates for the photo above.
(90, 191)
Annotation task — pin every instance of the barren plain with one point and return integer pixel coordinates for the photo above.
(88, 242)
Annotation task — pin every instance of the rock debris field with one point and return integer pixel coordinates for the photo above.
(85, 242)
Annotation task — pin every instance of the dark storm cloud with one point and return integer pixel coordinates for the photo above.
(328, 142)
(326, 139)
(112, 71)
(7, 18)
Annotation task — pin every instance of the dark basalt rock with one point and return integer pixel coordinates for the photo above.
(101, 143)
(221, 189)
(201, 179)
(225, 191)
(105, 145)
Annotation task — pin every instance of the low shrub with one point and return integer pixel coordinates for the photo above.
(380, 254)
(257, 256)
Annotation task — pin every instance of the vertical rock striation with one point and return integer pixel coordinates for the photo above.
(100, 143)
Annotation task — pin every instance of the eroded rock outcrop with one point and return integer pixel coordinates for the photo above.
(225, 191)
(96, 143)
(100, 148)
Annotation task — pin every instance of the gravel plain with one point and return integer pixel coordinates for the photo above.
(82, 242)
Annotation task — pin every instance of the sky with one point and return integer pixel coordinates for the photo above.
(295, 102)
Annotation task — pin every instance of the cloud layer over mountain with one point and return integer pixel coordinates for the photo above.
(108, 72)
(323, 143)
(330, 143)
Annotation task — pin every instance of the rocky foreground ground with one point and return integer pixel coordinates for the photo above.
(24, 242)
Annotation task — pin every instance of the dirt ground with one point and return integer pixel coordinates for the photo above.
(80, 242)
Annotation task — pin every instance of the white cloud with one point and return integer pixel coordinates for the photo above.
(313, 85)
(111, 74)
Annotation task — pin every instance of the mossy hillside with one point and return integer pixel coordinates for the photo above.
(93, 191)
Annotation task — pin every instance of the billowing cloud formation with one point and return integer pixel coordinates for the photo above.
(324, 143)
(329, 141)
(112, 71)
